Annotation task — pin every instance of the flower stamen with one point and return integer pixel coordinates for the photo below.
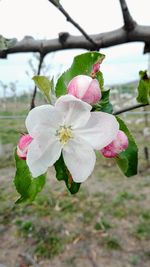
(64, 134)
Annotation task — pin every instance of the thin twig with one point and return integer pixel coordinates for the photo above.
(32, 105)
(129, 108)
(129, 23)
(72, 21)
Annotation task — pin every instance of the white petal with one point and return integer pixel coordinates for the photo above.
(79, 158)
(43, 118)
(76, 112)
(43, 152)
(101, 130)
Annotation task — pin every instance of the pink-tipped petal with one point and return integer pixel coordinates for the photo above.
(96, 67)
(22, 147)
(119, 144)
(93, 93)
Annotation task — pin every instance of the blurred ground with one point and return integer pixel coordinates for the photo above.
(107, 224)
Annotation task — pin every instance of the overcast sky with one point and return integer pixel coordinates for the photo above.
(40, 19)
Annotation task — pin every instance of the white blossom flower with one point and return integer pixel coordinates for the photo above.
(71, 129)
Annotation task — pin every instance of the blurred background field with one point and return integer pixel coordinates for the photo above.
(106, 224)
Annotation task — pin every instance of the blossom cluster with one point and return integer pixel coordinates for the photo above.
(70, 128)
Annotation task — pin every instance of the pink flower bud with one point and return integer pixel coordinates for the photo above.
(96, 67)
(23, 144)
(85, 88)
(116, 146)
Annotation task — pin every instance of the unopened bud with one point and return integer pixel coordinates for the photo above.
(116, 146)
(85, 88)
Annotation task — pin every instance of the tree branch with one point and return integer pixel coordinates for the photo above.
(129, 23)
(73, 22)
(32, 105)
(147, 48)
(130, 108)
(103, 40)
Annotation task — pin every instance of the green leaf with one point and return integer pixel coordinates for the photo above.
(82, 64)
(99, 76)
(44, 84)
(62, 173)
(128, 159)
(26, 186)
(36, 186)
(122, 162)
(104, 104)
(144, 88)
(6, 43)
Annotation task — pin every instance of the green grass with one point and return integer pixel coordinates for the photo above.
(120, 212)
(47, 240)
(68, 206)
(123, 196)
(112, 243)
(49, 243)
(10, 131)
(25, 227)
(134, 260)
(8, 136)
(143, 230)
(102, 224)
(145, 215)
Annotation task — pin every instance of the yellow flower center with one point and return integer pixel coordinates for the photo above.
(64, 134)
